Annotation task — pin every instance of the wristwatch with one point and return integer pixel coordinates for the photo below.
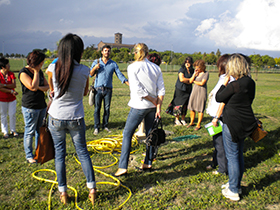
(216, 117)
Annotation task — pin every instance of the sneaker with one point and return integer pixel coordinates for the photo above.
(107, 129)
(232, 196)
(215, 172)
(177, 123)
(226, 185)
(183, 122)
(95, 131)
(15, 134)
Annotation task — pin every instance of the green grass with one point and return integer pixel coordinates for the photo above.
(179, 179)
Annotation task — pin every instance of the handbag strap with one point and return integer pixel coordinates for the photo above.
(157, 123)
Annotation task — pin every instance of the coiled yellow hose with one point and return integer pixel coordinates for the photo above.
(106, 145)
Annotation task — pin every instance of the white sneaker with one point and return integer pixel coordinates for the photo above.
(95, 131)
(226, 185)
(107, 129)
(232, 196)
(15, 134)
(177, 123)
(183, 122)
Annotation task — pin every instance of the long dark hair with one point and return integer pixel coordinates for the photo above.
(3, 62)
(70, 48)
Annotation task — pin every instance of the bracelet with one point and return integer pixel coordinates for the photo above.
(12, 91)
(216, 117)
(5, 85)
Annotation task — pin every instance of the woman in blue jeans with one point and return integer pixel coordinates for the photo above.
(238, 117)
(146, 95)
(69, 82)
(33, 85)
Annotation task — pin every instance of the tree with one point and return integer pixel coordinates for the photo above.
(218, 54)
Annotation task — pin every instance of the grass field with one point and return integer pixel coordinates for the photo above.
(179, 179)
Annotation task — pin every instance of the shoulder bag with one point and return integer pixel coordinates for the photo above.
(259, 133)
(45, 148)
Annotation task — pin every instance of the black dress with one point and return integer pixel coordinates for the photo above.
(179, 103)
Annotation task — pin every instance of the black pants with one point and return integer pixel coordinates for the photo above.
(219, 155)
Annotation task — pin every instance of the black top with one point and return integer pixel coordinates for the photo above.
(238, 114)
(33, 99)
(181, 85)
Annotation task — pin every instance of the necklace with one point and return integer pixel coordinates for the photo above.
(5, 76)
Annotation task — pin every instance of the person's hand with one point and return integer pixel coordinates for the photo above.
(215, 122)
(15, 93)
(1, 85)
(226, 81)
(51, 94)
(157, 114)
(97, 66)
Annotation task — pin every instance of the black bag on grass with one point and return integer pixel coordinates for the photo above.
(156, 136)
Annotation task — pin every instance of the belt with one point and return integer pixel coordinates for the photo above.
(103, 88)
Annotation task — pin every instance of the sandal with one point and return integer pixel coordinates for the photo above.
(92, 196)
(63, 197)
(190, 125)
(6, 135)
(197, 128)
(15, 134)
(183, 122)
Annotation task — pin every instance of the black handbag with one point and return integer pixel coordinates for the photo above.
(157, 135)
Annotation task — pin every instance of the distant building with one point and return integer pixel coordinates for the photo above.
(118, 43)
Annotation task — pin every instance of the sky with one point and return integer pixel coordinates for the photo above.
(186, 26)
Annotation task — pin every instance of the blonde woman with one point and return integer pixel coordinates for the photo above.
(239, 120)
(146, 95)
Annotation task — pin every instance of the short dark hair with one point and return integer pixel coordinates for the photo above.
(3, 62)
(155, 58)
(222, 63)
(190, 59)
(106, 46)
(35, 58)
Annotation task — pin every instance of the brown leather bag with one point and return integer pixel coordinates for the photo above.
(259, 133)
(45, 147)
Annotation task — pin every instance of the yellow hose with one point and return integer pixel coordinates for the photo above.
(107, 145)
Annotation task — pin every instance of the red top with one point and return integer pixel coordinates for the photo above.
(7, 97)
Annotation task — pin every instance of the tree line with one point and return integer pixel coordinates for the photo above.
(169, 57)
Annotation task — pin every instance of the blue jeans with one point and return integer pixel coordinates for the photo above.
(219, 155)
(104, 95)
(76, 128)
(33, 119)
(234, 154)
(134, 118)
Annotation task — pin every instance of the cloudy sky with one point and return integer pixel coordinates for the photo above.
(187, 26)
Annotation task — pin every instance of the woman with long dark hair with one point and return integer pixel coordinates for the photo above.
(69, 83)
(33, 85)
(183, 89)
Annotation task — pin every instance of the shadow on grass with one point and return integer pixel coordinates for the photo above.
(262, 150)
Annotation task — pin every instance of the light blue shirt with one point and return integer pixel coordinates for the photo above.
(70, 105)
(104, 75)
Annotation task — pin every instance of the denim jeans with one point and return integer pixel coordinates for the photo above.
(77, 129)
(104, 95)
(33, 119)
(219, 155)
(134, 118)
(234, 154)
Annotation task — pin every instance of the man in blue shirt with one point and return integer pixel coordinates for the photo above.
(104, 69)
